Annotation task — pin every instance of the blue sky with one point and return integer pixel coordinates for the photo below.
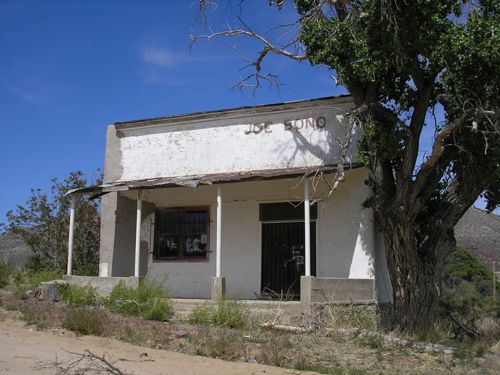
(70, 68)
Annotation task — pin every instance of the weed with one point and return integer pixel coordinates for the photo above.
(78, 295)
(133, 336)
(201, 315)
(86, 321)
(230, 313)
(225, 344)
(302, 365)
(6, 271)
(352, 316)
(273, 352)
(33, 316)
(25, 280)
(372, 341)
(148, 301)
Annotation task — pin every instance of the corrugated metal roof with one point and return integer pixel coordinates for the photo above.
(208, 179)
(126, 124)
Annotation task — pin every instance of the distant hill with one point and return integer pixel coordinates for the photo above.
(479, 232)
(13, 249)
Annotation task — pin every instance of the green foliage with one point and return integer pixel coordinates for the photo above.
(230, 313)
(201, 315)
(466, 301)
(227, 312)
(6, 271)
(86, 321)
(373, 341)
(149, 301)
(25, 280)
(464, 266)
(78, 295)
(424, 76)
(43, 223)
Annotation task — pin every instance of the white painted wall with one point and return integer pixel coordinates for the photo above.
(243, 143)
(345, 239)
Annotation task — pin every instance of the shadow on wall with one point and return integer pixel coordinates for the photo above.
(326, 150)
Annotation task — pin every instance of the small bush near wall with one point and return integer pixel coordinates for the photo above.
(78, 295)
(6, 271)
(86, 321)
(228, 313)
(25, 280)
(201, 315)
(149, 301)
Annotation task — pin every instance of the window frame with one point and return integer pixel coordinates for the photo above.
(182, 257)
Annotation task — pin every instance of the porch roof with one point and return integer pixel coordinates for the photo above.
(208, 179)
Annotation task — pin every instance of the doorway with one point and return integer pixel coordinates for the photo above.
(283, 250)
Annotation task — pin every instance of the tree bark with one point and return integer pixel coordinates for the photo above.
(415, 273)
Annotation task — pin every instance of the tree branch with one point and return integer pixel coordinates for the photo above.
(267, 48)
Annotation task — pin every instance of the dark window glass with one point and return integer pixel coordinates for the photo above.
(285, 211)
(195, 233)
(181, 233)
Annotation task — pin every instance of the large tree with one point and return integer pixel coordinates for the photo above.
(406, 63)
(42, 222)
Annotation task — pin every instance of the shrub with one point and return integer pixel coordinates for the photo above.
(148, 301)
(33, 315)
(25, 280)
(229, 313)
(466, 303)
(6, 271)
(78, 295)
(201, 315)
(86, 321)
(351, 316)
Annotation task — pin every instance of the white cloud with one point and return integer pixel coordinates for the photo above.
(161, 57)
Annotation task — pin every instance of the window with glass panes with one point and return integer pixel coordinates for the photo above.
(181, 233)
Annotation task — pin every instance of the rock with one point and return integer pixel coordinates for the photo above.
(49, 291)
(180, 334)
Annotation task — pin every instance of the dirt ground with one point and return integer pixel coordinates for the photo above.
(23, 350)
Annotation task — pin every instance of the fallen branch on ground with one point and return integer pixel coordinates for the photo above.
(280, 327)
(84, 363)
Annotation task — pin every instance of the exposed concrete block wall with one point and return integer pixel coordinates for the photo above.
(327, 289)
(103, 285)
(107, 234)
(124, 244)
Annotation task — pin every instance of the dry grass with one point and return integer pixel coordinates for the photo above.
(322, 350)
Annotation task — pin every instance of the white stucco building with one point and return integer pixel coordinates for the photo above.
(230, 201)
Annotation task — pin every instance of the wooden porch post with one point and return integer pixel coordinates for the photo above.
(307, 229)
(71, 234)
(138, 234)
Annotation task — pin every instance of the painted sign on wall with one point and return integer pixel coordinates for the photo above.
(287, 125)
(281, 139)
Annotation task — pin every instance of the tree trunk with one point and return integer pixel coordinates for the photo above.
(416, 273)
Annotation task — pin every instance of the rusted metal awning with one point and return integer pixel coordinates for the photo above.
(209, 179)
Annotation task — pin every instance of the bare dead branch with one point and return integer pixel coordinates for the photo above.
(267, 48)
(84, 363)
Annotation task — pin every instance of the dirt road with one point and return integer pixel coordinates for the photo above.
(24, 350)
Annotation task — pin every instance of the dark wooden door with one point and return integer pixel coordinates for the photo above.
(283, 259)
